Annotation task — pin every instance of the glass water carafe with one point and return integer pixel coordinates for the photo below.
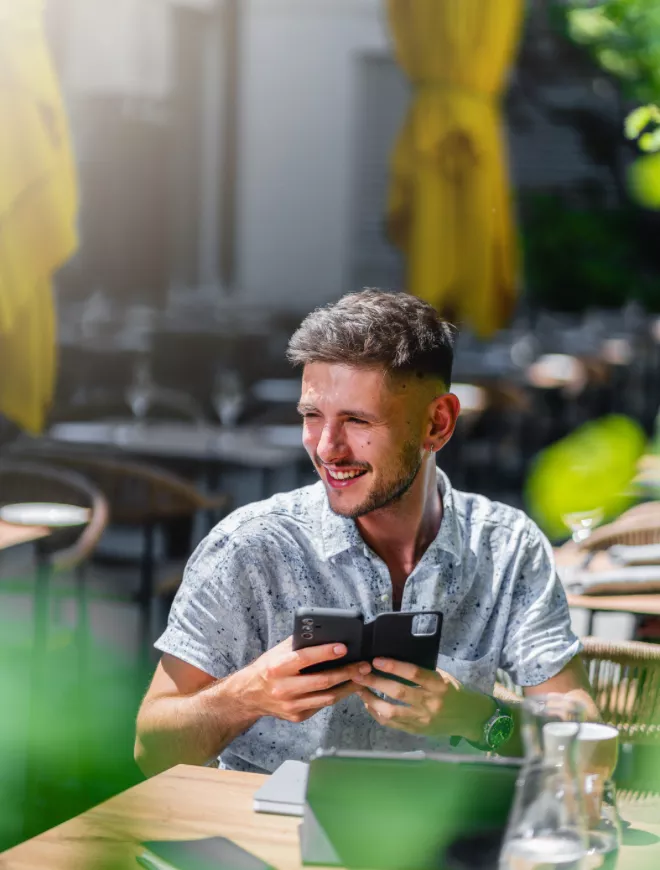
(546, 829)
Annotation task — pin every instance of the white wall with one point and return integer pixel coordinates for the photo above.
(297, 146)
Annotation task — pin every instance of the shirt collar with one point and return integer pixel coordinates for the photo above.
(340, 534)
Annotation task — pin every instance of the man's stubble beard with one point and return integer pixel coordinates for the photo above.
(389, 492)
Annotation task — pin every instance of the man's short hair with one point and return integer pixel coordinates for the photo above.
(374, 328)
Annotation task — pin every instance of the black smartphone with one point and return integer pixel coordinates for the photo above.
(314, 626)
(404, 636)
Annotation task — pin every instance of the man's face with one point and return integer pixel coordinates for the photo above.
(363, 433)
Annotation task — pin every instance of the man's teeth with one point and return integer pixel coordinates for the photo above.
(344, 475)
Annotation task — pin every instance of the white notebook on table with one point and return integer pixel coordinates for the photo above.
(283, 793)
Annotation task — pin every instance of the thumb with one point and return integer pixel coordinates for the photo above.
(448, 678)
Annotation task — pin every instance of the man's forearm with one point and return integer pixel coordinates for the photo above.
(191, 729)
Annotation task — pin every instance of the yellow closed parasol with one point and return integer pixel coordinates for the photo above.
(449, 204)
(38, 207)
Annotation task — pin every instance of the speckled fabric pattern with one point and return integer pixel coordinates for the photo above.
(489, 570)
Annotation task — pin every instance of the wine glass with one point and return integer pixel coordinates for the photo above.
(228, 396)
(139, 393)
(582, 523)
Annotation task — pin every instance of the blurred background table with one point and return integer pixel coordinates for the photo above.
(641, 605)
(253, 446)
(262, 449)
(12, 535)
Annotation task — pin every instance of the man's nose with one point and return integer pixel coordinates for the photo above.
(332, 446)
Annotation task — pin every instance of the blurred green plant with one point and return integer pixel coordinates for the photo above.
(590, 469)
(640, 120)
(624, 38)
(643, 125)
(581, 256)
(80, 745)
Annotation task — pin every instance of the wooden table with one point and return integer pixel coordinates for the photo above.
(12, 535)
(193, 802)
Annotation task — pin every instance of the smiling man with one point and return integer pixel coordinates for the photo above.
(382, 530)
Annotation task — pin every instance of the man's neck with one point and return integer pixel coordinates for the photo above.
(401, 533)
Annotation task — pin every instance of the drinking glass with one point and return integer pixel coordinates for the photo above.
(603, 822)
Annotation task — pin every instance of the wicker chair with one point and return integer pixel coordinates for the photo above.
(625, 678)
(139, 495)
(36, 482)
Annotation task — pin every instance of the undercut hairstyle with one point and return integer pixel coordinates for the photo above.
(374, 328)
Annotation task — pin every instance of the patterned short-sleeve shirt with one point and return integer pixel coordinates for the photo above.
(489, 570)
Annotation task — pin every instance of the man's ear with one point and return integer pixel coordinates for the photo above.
(444, 411)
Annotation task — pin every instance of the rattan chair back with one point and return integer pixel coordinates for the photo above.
(625, 678)
(22, 482)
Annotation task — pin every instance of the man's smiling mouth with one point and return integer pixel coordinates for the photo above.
(345, 475)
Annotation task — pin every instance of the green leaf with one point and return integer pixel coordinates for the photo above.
(644, 181)
(650, 141)
(637, 120)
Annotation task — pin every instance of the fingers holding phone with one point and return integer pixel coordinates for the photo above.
(276, 687)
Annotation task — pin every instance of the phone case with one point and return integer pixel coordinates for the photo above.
(315, 626)
(389, 635)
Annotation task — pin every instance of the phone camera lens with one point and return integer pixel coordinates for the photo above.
(308, 622)
(308, 635)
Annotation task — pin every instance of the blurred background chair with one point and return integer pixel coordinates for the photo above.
(147, 498)
(625, 678)
(64, 549)
(22, 481)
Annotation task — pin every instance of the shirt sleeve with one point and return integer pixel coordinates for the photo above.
(214, 621)
(539, 640)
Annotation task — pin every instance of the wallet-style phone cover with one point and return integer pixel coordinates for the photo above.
(412, 637)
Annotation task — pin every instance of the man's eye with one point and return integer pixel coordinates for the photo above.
(357, 420)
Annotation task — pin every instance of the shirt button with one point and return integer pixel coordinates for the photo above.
(385, 597)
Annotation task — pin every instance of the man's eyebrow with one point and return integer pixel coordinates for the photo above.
(303, 408)
(363, 415)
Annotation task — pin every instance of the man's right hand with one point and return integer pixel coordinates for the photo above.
(273, 685)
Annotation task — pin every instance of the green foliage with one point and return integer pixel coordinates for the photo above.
(576, 257)
(592, 468)
(82, 745)
(644, 181)
(624, 37)
(638, 120)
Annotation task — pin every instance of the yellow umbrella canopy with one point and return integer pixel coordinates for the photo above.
(449, 204)
(38, 205)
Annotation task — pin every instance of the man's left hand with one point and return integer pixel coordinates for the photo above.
(438, 704)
